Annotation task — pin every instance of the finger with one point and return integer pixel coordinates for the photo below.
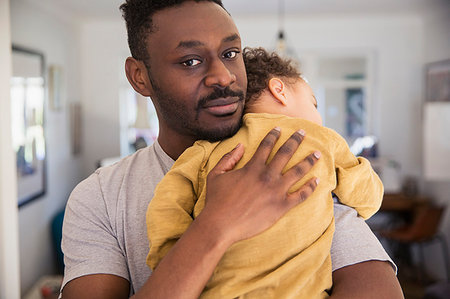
(298, 171)
(229, 160)
(302, 194)
(286, 151)
(265, 147)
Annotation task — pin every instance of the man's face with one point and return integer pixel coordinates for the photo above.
(196, 71)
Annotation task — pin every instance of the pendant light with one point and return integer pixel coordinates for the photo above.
(282, 46)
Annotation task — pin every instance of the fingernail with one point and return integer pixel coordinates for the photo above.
(277, 129)
(301, 132)
(317, 154)
(317, 181)
(238, 145)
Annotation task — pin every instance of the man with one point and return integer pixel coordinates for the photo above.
(187, 58)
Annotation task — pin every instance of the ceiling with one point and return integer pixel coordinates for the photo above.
(82, 9)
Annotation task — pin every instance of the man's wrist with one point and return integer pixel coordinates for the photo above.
(214, 235)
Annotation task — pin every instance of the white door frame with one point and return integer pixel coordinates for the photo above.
(9, 231)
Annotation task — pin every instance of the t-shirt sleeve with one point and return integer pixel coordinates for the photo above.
(353, 241)
(89, 242)
(170, 211)
(358, 185)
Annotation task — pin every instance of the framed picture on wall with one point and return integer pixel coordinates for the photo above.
(28, 131)
(438, 81)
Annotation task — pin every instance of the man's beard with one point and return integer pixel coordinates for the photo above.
(177, 115)
(219, 134)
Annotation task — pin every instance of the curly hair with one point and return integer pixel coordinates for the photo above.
(261, 66)
(138, 18)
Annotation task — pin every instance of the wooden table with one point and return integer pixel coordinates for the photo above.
(396, 209)
(398, 202)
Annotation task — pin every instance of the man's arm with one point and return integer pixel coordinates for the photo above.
(370, 279)
(97, 286)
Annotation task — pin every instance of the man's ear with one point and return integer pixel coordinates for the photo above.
(137, 76)
(278, 90)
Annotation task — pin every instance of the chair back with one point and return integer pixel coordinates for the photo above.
(426, 222)
(56, 229)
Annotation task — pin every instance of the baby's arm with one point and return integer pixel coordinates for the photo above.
(169, 213)
(358, 185)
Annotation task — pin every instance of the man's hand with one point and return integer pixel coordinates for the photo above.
(244, 202)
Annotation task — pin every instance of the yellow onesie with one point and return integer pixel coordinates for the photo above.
(292, 258)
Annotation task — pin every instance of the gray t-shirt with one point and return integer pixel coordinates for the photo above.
(105, 232)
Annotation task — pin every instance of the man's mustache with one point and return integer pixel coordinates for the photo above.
(220, 93)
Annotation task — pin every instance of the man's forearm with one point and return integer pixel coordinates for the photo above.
(185, 270)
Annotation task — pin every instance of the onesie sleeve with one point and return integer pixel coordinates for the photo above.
(169, 213)
(358, 185)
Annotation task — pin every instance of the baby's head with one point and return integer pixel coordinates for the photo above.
(275, 86)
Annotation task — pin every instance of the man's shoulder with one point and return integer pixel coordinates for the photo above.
(144, 161)
(144, 166)
(124, 163)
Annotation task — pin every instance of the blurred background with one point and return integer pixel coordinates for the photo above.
(379, 69)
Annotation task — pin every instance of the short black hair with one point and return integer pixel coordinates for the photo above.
(261, 66)
(138, 18)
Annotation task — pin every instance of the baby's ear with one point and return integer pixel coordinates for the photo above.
(278, 89)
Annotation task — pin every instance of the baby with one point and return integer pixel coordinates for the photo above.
(291, 259)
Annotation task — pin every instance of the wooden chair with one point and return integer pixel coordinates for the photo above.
(422, 230)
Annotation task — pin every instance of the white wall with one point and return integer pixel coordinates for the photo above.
(9, 245)
(103, 52)
(437, 36)
(54, 36)
(437, 48)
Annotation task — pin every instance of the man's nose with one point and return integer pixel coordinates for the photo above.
(219, 75)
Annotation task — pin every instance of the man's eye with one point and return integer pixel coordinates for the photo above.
(231, 54)
(191, 62)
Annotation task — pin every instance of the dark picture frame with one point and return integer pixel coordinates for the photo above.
(28, 99)
(438, 81)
